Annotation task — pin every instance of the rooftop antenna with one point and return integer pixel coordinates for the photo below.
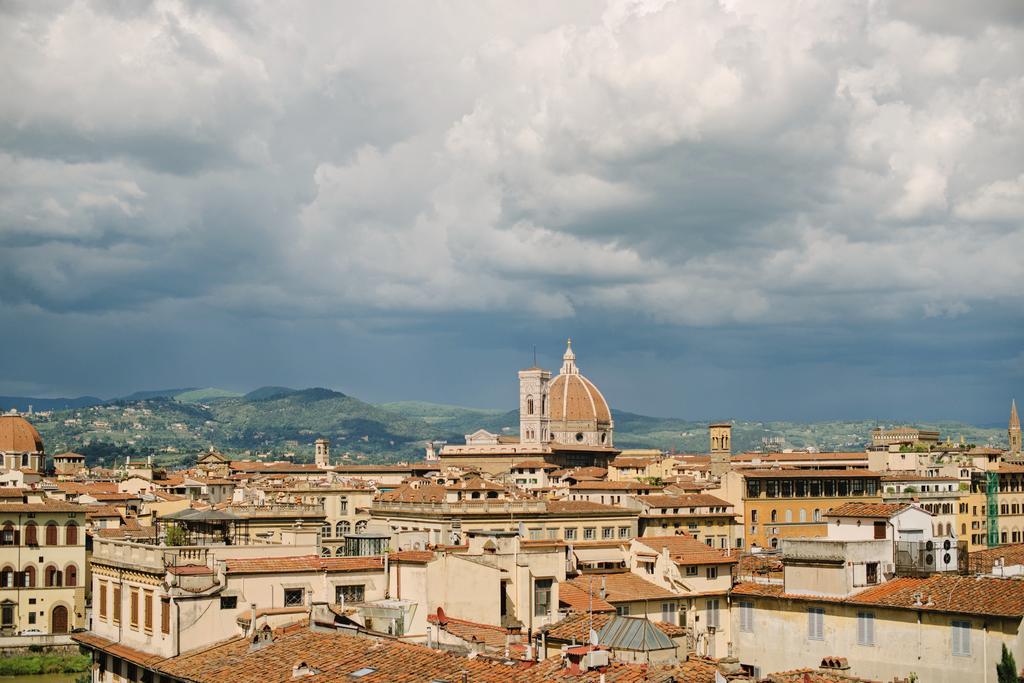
(534, 355)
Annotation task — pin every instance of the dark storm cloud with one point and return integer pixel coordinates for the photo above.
(729, 204)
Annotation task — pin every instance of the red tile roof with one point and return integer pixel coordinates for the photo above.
(685, 501)
(622, 587)
(939, 593)
(685, 549)
(579, 600)
(860, 509)
(473, 632)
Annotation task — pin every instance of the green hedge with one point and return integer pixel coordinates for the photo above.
(44, 664)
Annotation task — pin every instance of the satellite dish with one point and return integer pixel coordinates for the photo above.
(593, 637)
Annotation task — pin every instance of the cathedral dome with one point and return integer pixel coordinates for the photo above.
(574, 398)
(17, 435)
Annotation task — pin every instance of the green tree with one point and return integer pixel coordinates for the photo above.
(1006, 669)
(176, 536)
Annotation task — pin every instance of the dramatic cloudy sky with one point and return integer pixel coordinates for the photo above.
(750, 210)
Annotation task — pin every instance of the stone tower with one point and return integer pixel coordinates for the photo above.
(323, 452)
(721, 447)
(534, 413)
(1014, 429)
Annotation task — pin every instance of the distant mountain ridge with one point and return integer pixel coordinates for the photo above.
(176, 424)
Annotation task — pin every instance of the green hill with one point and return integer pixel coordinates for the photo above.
(282, 422)
(204, 395)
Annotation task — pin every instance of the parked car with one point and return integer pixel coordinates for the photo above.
(32, 632)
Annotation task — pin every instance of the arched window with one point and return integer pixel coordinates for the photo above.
(31, 534)
(817, 515)
(789, 516)
(71, 575)
(340, 552)
(51, 577)
(325, 552)
(71, 534)
(775, 516)
(343, 527)
(803, 515)
(7, 577)
(7, 535)
(29, 577)
(325, 530)
(529, 405)
(361, 526)
(51, 534)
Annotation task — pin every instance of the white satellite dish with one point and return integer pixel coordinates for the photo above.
(593, 637)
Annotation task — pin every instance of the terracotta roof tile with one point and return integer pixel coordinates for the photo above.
(473, 632)
(861, 509)
(623, 587)
(939, 593)
(579, 600)
(685, 549)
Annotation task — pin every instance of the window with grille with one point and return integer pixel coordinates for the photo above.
(589, 533)
(865, 628)
(816, 623)
(623, 532)
(607, 532)
(349, 593)
(747, 617)
(962, 638)
(229, 602)
(294, 597)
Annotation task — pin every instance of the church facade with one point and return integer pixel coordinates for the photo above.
(564, 420)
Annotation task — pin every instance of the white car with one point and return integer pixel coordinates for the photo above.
(32, 632)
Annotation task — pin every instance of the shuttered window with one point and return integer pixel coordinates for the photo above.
(865, 628)
(134, 609)
(147, 611)
(103, 600)
(117, 604)
(962, 638)
(747, 617)
(816, 623)
(165, 615)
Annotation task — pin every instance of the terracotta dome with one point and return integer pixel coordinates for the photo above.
(575, 398)
(17, 435)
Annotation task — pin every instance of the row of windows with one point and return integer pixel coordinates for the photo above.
(10, 535)
(343, 527)
(814, 488)
(589, 533)
(773, 515)
(960, 635)
(52, 577)
(140, 604)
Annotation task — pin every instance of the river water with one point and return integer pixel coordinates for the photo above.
(40, 678)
